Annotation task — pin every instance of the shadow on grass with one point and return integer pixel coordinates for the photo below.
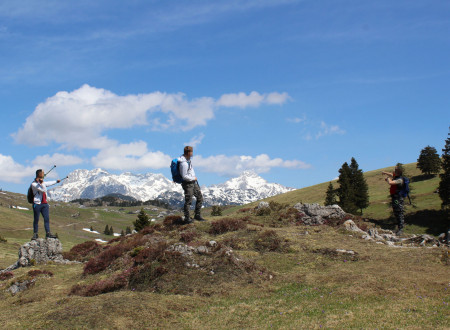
(435, 221)
(422, 177)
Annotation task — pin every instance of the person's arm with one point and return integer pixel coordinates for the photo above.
(37, 187)
(184, 166)
(394, 182)
(387, 173)
(52, 183)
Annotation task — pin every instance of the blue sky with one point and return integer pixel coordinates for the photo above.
(289, 89)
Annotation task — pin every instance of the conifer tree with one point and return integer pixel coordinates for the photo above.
(429, 161)
(444, 184)
(330, 198)
(142, 221)
(106, 231)
(359, 186)
(345, 191)
(122, 233)
(111, 230)
(92, 228)
(127, 230)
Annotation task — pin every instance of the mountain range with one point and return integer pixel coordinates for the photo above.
(246, 188)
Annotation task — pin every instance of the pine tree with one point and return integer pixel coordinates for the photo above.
(345, 191)
(127, 230)
(444, 184)
(92, 228)
(111, 230)
(142, 221)
(106, 231)
(429, 161)
(122, 233)
(330, 198)
(359, 186)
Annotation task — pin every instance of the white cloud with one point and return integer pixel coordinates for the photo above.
(57, 159)
(80, 118)
(296, 120)
(235, 165)
(131, 156)
(326, 129)
(254, 99)
(195, 141)
(14, 172)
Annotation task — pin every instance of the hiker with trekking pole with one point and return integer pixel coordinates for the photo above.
(183, 172)
(38, 196)
(399, 189)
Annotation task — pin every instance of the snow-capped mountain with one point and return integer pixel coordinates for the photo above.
(246, 188)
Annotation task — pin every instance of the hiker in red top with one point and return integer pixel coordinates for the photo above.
(40, 203)
(395, 180)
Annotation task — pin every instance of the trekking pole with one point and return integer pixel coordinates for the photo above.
(64, 178)
(49, 171)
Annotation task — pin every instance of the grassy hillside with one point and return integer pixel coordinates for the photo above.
(285, 275)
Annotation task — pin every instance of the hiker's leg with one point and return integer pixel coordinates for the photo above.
(36, 214)
(188, 193)
(401, 214)
(46, 214)
(397, 206)
(198, 195)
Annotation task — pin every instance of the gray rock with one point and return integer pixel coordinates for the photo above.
(262, 205)
(202, 250)
(315, 214)
(350, 225)
(17, 287)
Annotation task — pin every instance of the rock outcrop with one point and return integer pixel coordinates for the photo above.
(38, 252)
(315, 214)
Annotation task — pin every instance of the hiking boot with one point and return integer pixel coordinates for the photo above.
(35, 237)
(50, 235)
(187, 221)
(198, 217)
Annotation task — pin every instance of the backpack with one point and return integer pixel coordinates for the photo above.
(175, 169)
(30, 195)
(404, 190)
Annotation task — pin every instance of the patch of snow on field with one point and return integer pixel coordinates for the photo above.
(100, 240)
(87, 229)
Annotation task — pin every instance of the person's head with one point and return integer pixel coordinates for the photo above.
(39, 174)
(398, 171)
(188, 152)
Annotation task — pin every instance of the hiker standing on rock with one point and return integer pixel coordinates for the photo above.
(190, 185)
(40, 204)
(395, 180)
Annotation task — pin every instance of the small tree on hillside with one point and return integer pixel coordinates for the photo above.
(429, 161)
(111, 230)
(330, 198)
(345, 191)
(216, 210)
(106, 231)
(360, 187)
(142, 221)
(127, 230)
(122, 233)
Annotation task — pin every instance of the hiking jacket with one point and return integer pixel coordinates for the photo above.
(394, 189)
(186, 170)
(39, 189)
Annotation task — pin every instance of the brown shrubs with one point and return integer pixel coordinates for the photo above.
(116, 283)
(103, 260)
(37, 272)
(83, 252)
(269, 240)
(172, 220)
(225, 225)
(189, 236)
(6, 276)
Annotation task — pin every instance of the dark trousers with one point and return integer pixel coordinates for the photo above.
(398, 208)
(39, 209)
(192, 189)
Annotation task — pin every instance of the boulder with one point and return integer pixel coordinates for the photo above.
(350, 225)
(262, 205)
(315, 214)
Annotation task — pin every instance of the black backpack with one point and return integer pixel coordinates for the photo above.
(30, 195)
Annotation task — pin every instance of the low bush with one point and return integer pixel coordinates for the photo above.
(103, 260)
(172, 220)
(2, 239)
(269, 240)
(116, 283)
(225, 225)
(245, 210)
(37, 272)
(151, 253)
(189, 236)
(262, 211)
(6, 276)
(83, 252)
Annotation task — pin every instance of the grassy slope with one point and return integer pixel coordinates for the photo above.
(387, 287)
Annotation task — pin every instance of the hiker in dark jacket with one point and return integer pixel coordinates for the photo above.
(190, 186)
(40, 203)
(395, 181)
